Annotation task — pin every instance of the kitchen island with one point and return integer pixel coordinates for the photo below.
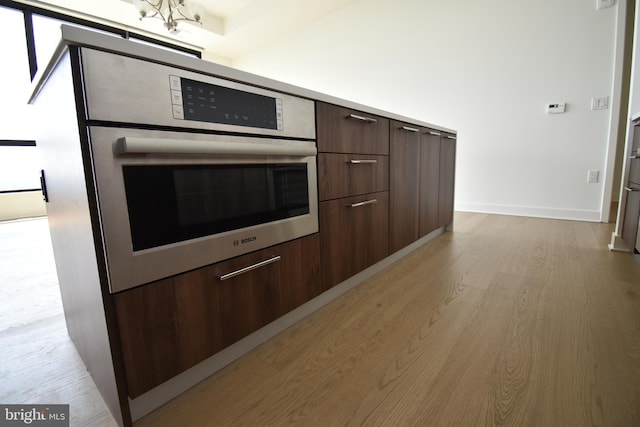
(385, 186)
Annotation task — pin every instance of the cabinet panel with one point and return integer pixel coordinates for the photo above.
(299, 273)
(342, 175)
(342, 130)
(170, 325)
(635, 145)
(354, 235)
(429, 181)
(404, 190)
(634, 170)
(631, 216)
(447, 179)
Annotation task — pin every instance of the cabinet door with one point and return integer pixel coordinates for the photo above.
(354, 235)
(635, 145)
(343, 175)
(447, 178)
(429, 181)
(631, 216)
(342, 130)
(170, 325)
(634, 169)
(299, 271)
(404, 190)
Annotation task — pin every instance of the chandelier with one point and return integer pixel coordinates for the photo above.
(170, 11)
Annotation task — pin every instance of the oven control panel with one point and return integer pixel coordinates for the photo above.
(207, 102)
(126, 90)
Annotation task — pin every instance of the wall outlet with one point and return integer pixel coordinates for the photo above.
(592, 178)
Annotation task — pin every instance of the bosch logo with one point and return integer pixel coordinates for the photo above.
(245, 240)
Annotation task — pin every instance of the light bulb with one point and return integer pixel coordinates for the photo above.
(143, 7)
(195, 9)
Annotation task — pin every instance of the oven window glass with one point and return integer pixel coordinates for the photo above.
(169, 204)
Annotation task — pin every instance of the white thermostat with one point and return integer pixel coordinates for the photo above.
(555, 108)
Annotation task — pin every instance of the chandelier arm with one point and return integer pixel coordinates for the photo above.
(157, 7)
(184, 17)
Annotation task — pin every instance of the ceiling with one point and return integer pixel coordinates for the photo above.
(230, 28)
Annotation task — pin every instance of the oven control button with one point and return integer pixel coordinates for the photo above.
(178, 112)
(280, 125)
(176, 97)
(174, 82)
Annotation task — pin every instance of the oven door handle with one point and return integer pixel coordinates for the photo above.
(131, 145)
(249, 268)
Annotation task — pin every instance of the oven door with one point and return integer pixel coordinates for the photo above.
(171, 202)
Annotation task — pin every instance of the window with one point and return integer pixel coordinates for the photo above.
(19, 160)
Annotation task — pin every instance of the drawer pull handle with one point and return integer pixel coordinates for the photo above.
(362, 162)
(410, 129)
(451, 137)
(249, 268)
(366, 202)
(362, 118)
(434, 133)
(633, 157)
(629, 189)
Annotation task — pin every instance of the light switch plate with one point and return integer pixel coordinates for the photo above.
(600, 103)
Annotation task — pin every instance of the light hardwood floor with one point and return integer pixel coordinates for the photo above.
(505, 321)
(38, 362)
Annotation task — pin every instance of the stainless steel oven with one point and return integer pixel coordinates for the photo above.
(171, 201)
(190, 169)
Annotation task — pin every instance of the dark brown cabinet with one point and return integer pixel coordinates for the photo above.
(342, 130)
(631, 196)
(170, 325)
(353, 234)
(342, 175)
(429, 181)
(353, 183)
(421, 182)
(447, 179)
(631, 216)
(404, 187)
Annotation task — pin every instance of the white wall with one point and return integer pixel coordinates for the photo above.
(486, 69)
(634, 95)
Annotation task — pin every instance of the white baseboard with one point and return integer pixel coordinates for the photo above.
(532, 211)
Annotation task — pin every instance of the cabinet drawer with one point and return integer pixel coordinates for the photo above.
(353, 235)
(170, 325)
(343, 175)
(342, 130)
